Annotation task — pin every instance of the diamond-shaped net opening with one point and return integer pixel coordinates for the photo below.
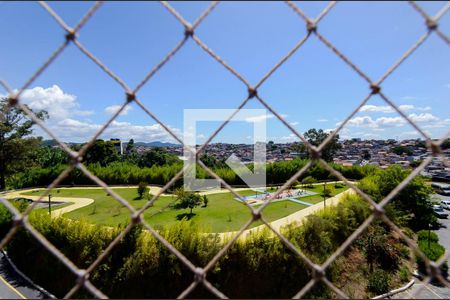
(318, 269)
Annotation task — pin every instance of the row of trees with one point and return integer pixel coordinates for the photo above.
(127, 173)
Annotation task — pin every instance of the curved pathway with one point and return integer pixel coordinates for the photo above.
(74, 203)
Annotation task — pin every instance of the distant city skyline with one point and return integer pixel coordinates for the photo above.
(313, 89)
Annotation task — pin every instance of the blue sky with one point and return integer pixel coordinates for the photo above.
(313, 89)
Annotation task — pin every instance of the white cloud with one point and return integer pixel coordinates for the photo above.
(55, 101)
(376, 108)
(260, 118)
(287, 139)
(426, 108)
(389, 109)
(383, 122)
(80, 131)
(114, 108)
(322, 120)
(294, 123)
(390, 122)
(424, 117)
(365, 121)
(438, 124)
(64, 113)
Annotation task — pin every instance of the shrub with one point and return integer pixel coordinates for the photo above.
(142, 188)
(433, 251)
(5, 220)
(308, 181)
(427, 235)
(339, 185)
(328, 191)
(379, 282)
(205, 201)
(404, 274)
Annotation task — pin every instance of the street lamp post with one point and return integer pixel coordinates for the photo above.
(429, 235)
(49, 204)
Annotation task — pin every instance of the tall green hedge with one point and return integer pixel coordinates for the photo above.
(127, 173)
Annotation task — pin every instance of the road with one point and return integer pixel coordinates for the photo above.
(433, 291)
(13, 286)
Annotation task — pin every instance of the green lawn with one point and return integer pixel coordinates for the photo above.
(318, 189)
(223, 213)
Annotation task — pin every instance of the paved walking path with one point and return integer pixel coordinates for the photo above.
(75, 203)
(301, 202)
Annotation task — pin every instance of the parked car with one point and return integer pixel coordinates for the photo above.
(445, 204)
(439, 211)
(441, 188)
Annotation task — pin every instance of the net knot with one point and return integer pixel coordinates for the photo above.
(256, 213)
(12, 101)
(252, 92)
(189, 31)
(314, 153)
(375, 89)
(318, 272)
(431, 24)
(378, 210)
(70, 36)
(311, 26)
(199, 274)
(130, 96)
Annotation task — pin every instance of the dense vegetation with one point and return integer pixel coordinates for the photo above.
(411, 206)
(128, 173)
(140, 267)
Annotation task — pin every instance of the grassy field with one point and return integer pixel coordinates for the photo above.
(222, 214)
(318, 189)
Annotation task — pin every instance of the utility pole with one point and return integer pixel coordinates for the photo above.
(49, 204)
(323, 194)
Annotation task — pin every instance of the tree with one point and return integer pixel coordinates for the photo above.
(316, 137)
(142, 188)
(412, 203)
(445, 144)
(47, 156)
(399, 150)
(15, 147)
(308, 181)
(157, 156)
(212, 162)
(189, 200)
(293, 184)
(366, 155)
(327, 191)
(205, 201)
(102, 152)
(130, 147)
